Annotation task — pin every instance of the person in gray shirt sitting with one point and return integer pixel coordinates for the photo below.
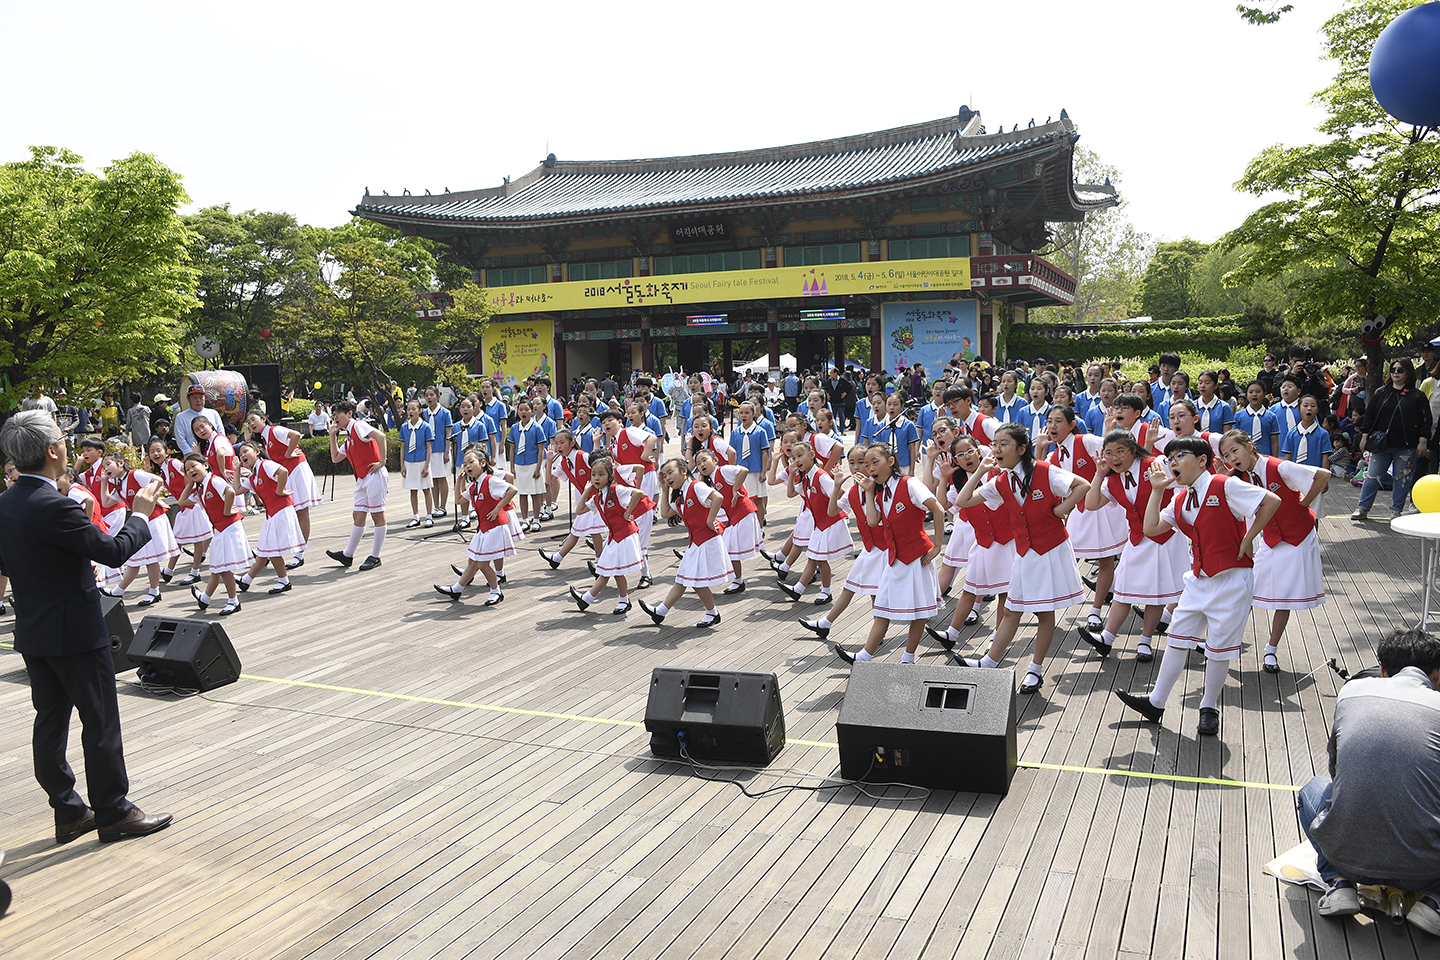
(1376, 818)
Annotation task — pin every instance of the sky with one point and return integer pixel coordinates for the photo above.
(301, 105)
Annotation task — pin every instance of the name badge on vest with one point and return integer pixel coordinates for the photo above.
(1081, 461)
(1212, 501)
(1037, 494)
(899, 507)
(1274, 486)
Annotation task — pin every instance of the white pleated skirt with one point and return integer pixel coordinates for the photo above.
(1045, 581)
(513, 524)
(415, 477)
(742, 540)
(280, 535)
(160, 548)
(620, 558)
(961, 542)
(1152, 573)
(587, 524)
(487, 546)
(650, 484)
(704, 565)
(1098, 533)
(303, 488)
(1289, 577)
(832, 543)
(371, 491)
(908, 591)
(526, 482)
(866, 571)
(192, 525)
(804, 527)
(988, 572)
(229, 550)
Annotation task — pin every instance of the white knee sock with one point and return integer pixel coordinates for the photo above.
(1215, 673)
(1172, 664)
(355, 534)
(379, 541)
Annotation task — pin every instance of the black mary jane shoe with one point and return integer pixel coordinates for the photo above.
(447, 592)
(580, 601)
(491, 601)
(1032, 682)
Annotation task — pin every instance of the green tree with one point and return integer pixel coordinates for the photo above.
(357, 321)
(93, 271)
(1103, 252)
(1359, 209)
(250, 266)
(1168, 289)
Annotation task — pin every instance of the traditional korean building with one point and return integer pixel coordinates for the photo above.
(894, 247)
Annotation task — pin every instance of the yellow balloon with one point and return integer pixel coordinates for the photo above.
(317, 384)
(1426, 494)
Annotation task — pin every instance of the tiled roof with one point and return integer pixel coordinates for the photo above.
(853, 166)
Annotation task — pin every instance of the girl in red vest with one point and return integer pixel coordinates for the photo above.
(704, 437)
(742, 523)
(283, 445)
(989, 558)
(1097, 535)
(831, 537)
(1212, 512)
(280, 533)
(938, 470)
(1152, 569)
(365, 448)
(1288, 572)
(162, 546)
(865, 572)
(191, 527)
(618, 505)
(576, 468)
(69, 485)
(1038, 497)
(781, 469)
(494, 539)
(229, 548)
(1129, 408)
(705, 564)
(821, 437)
(1185, 421)
(909, 591)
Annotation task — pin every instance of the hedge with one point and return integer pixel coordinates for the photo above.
(300, 409)
(317, 451)
(1212, 336)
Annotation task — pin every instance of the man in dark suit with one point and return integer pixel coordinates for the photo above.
(46, 545)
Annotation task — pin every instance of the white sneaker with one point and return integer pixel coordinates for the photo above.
(1341, 900)
(427, 522)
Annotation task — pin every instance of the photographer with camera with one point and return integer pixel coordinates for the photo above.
(1312, 376)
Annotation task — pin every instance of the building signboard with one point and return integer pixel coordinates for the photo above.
(514, 350)
(777, 283)
(929, 332)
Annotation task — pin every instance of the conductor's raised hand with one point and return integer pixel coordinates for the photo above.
(148, 497)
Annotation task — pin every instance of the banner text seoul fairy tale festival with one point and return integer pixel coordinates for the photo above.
(835, 279)
(514, 350)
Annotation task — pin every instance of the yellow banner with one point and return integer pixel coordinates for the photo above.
(835, 279)
(517, 349)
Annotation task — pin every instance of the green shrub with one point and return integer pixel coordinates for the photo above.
(300, 409)
(1202, 336)
(317, 452)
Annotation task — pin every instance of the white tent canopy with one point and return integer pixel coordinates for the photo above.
(762, 364)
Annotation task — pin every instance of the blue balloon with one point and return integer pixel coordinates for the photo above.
(1405, 66)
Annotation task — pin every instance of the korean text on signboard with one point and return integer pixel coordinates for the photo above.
(514, 350)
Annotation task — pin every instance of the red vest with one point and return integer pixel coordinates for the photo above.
(905, 522)
(93, 479)
(362, 454)
(876, 537)
(817, 500)
(980, 427)
(718, 447)
(1292, 523)
(1034, 522)
(612, 511)
(172, 473)
(275, 449)
(483, 501)
(221, 454)
(263, 482)
(738, 504)
(629, 452)
(1135, 512)
(133, 483)
(1215, 535)
(990, 526)
(576, 468)
(214, 503)
(98, 518)
(696, 515)
(1082, 462)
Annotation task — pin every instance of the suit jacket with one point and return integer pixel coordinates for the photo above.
(46, 545)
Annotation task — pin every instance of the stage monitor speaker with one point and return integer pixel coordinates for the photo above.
(934, 726)
(118, 629)
(195, 654)
(729, 715)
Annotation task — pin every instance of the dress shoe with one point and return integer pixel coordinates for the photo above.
(590, 565)
(152, 598)
(280, 588)
(814, 627)
(708, 621)
(844, 654)
(1141, 705)
(491, 601)
(579, 600)
(659, 618)
(135, 824)
(788, 590)
(244, 587)
(1271, 665)
(1093, 637)
(621, 608)
(452, 594)
(644, 584)
(195, 592)
(733, 589)
(294, 563)
(230, 608)
(456, 570)
(340, 557)
(370, 563)
(1144, 653)
(941, 637)
(66, 832)
(551, 559)
(167, 575)
(1209, 722)
(1031, 683)
(678, 554)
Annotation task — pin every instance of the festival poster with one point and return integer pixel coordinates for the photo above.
(930, 333)
(514, 350)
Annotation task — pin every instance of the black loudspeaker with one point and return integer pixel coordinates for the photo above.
(935, 726)
(264, 377)
(729, 715)
(118, 629)
(195, 654)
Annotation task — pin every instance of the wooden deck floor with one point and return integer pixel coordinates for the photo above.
(367, 800)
